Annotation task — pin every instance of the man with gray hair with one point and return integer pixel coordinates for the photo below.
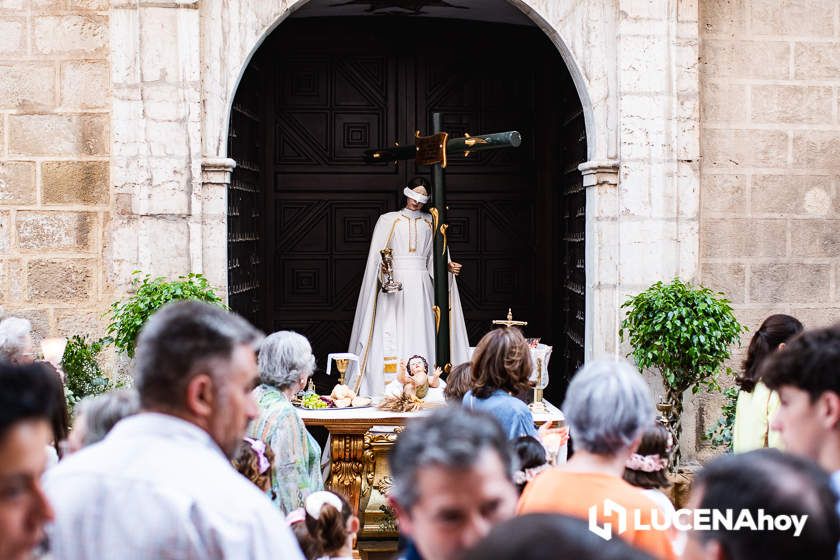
(161, 484)
(608, 406)
(452, 482)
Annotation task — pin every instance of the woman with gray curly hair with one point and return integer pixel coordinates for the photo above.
(16, 345)
(286, 363)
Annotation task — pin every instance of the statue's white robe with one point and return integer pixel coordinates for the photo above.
(400, 325)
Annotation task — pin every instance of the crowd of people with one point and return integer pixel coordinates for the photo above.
(205, 457)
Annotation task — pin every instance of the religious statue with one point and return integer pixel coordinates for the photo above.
(407, 391)
(402, 321)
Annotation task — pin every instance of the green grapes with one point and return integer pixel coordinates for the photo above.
(311, 400)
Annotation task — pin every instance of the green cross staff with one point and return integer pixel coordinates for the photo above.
(434, 150)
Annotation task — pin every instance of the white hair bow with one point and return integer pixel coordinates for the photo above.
(316, 500)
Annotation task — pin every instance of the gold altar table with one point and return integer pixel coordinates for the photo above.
(360, 440)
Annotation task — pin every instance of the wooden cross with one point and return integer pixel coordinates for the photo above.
(434, 150)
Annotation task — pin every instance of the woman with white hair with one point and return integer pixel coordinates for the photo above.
(286, 364)
(608, 406)
(16, 345)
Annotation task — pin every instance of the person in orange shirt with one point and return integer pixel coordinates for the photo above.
(607, 407)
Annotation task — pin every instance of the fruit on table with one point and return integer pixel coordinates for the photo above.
(311, 400)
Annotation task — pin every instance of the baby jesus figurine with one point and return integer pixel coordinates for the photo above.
(406, 394)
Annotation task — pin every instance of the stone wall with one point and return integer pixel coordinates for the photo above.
(54, 162)
(770, 144)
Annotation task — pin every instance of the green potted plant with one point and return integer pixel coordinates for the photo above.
(149, 295)
(685, 332)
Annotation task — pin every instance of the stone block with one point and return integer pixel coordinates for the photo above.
(802, 18)
(723, 102)
(4, 283)
(75, 182)
(12, 5)
(167, 139)
(162, 246)
(12, 35)
(80, 321)
(723, 16)
(27, 86)
(791, 194)
(170, 48)
(723, 194)
(85, 85)
(48, 5)
(817, 317)
(17, 182)
(816, 60)
(743, 237)
(790, 283)
(56, 231)
(5, 231)
(89, 4)
(739, 148)
(644, 9)
(745, 59)
(16, 269)
(791, 104)
(60, 281)
(816, 149)
(815, 238)
(70, 35)
(644, 139)
(58, 135)
(648, 251)
(120, 252)
(725, 277)
(752, 317)
(642, 65)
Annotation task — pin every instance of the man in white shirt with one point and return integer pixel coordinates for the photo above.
(160, 485)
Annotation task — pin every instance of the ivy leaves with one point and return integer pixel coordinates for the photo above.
(150, 294)
(683, 331)
(721, 433)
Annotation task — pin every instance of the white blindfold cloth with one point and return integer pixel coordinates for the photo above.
(421, 198)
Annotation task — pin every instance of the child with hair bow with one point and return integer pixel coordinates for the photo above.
(647, 469)
(254, 460)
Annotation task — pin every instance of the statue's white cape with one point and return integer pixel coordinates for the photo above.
(402, 324)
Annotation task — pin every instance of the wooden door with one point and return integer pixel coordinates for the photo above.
(328, 100)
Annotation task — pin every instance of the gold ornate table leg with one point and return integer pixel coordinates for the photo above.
(347, 465)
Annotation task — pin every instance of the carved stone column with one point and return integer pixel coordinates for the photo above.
(209, 230)
(600, 179)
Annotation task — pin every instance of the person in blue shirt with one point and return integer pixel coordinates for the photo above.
(501, 367)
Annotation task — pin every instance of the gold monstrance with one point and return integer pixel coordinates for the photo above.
(509, 322)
